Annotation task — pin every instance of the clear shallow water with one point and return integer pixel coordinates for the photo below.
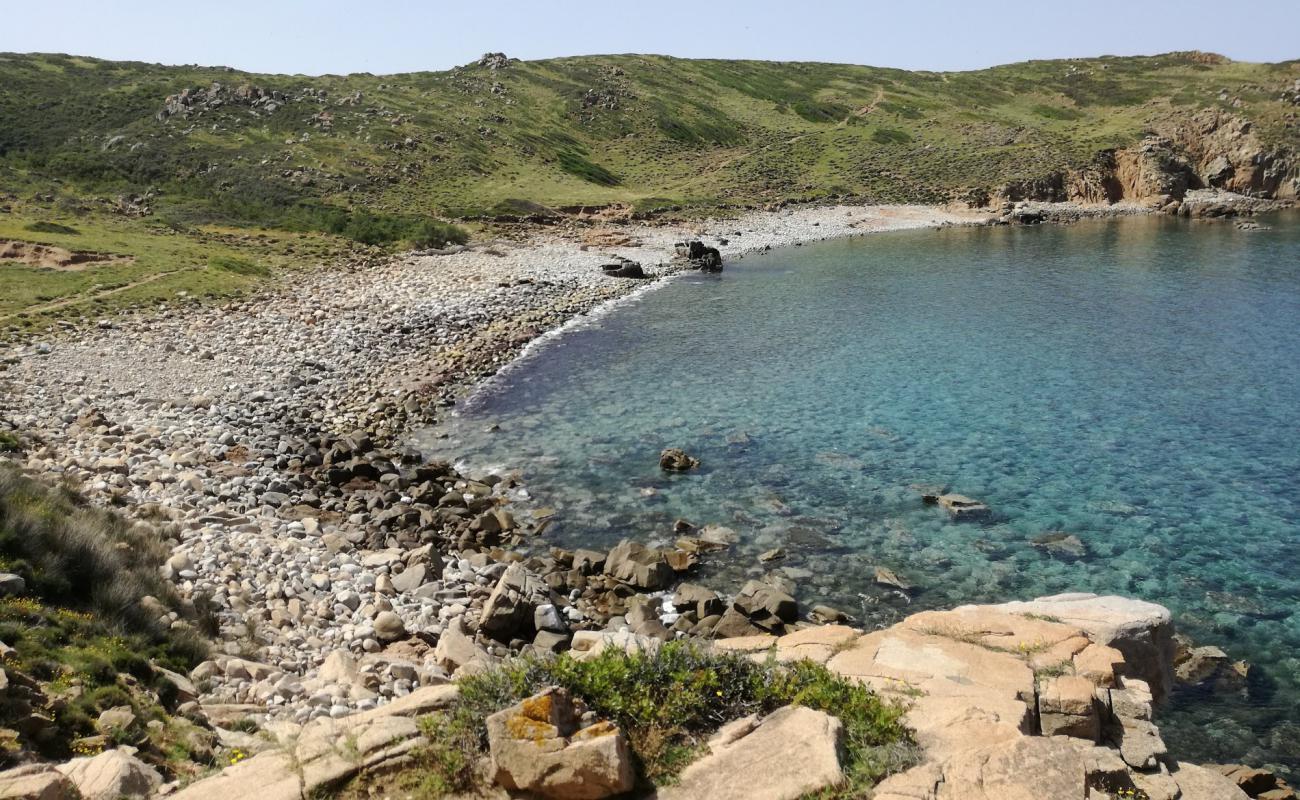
(1134, 382)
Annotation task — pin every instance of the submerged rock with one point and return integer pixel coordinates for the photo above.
(1058, 543)
(674, 459)
(962, 507)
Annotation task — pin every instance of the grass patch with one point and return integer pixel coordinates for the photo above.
(238, 266)
(52, 227)
(667, 704)
(9, 442)
(87, 627)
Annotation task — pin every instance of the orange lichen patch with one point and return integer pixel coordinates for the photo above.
(602, 728)
(521, 727)
(48, 256)
(539, 707)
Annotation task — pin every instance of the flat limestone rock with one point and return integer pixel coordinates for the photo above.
(267, 776)
(1143, 632)
(1200, 783)
(933, 664)
(1033, 768)
(790, 753)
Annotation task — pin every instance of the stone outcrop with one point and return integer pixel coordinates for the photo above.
(1143, 632)
(1026, 700)
(792, 752)
(111, 775)
(1185, 153)
(546, 746)
(700, 256)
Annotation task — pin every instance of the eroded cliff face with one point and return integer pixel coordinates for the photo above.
(1210, 149)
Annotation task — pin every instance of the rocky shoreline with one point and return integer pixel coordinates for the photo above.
(345, 573)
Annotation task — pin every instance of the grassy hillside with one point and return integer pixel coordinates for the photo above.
(83, 617)
(378, 159)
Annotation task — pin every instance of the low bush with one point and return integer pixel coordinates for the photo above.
(667, 704)
(52, 227)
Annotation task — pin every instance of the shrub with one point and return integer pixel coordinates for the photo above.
(668, 704)
(890, 136)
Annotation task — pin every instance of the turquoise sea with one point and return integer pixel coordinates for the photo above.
(1134, 382)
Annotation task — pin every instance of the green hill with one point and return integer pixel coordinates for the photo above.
(320, 161)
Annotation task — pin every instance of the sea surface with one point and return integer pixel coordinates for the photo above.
(1133, 382)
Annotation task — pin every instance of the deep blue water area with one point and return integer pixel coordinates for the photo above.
(1134, 382)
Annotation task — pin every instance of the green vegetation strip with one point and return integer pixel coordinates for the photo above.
(667, 703)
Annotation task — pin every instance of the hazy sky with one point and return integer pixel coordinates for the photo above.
(384, 36)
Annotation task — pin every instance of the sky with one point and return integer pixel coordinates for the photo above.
(386, 36)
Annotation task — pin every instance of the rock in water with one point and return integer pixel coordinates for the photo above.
(887, 577)
(962, 507)
(1058, 543)
(675, 459)
(540, 746)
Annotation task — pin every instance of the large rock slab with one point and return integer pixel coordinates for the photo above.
(792, 752)
(1200, 783)
(1143, 632)
(36, 782)
(540, 746)
(111, 775)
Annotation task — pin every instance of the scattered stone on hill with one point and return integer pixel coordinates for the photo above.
(791, 753)
(961, 507)
(11, 584)
(195, 100)
(494, 61)
(624, 268)
(674, 459)
(548, 745)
